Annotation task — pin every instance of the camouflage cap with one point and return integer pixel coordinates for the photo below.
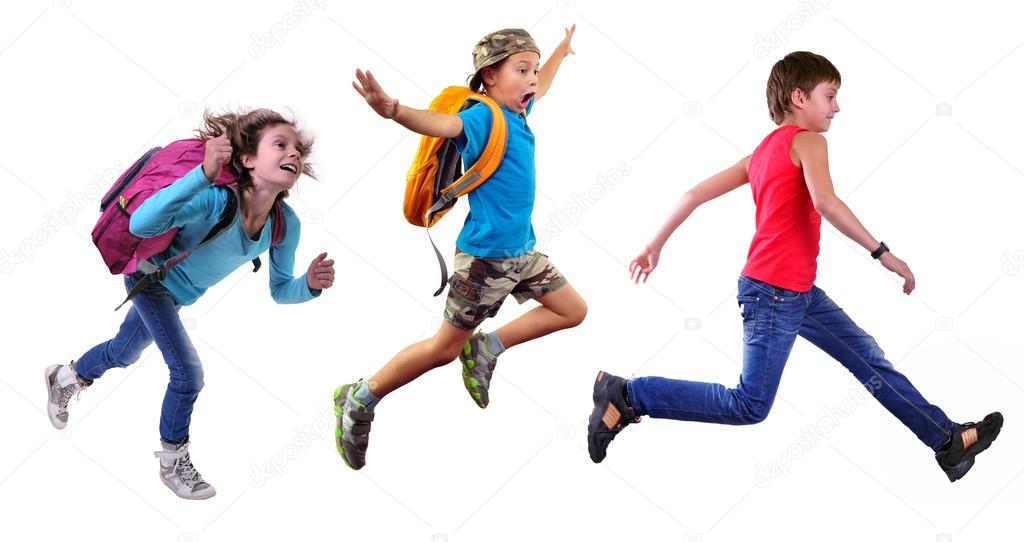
(501, 44)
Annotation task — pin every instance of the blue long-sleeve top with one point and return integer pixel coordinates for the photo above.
(194, 205)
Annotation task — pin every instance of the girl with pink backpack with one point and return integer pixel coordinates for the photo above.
(176, 223)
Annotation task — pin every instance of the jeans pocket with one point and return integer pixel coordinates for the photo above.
(748, 309)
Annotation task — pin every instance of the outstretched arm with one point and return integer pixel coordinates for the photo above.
(811, 151)
(428, 123)
(550, 68)
(721, 183)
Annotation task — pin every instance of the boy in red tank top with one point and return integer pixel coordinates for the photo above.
(789, 177)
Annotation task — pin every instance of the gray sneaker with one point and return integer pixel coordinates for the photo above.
(178, 473)
(477, 367)
(62, 382)
(352, 433)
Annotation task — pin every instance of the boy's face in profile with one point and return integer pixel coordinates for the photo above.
(816, 109)
(514, 82)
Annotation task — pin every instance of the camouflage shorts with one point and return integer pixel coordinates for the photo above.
(478, 286)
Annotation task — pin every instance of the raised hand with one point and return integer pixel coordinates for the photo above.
(218, 154)
(375, 97)
(567, 40)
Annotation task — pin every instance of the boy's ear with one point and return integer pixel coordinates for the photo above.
(798, 98)
(490, 78)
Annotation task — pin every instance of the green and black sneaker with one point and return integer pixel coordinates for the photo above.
(352, 433)
(477, 368)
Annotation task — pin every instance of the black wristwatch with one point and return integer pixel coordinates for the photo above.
(882, 249)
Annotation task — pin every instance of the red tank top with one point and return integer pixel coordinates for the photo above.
(784, 250)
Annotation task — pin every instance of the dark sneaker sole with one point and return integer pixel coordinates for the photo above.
(599, 434)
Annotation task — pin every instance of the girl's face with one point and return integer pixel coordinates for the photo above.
(278, 162)
(817, 108)
(514, 82)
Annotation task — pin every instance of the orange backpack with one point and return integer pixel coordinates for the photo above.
(436, 180)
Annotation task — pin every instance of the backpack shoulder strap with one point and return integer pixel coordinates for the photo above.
(475, 175)
(227, 218)
(278, 229)
(486, 164)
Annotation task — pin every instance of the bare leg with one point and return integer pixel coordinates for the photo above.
(419, 358)
(561, 309)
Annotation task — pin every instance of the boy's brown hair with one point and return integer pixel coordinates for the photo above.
(799, 70)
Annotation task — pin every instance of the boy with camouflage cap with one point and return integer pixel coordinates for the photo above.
(495, 253)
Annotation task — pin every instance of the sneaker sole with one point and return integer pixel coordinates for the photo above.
(592, 432)
(465, 356)
(50, 413)
(189, 497)
(339, 393)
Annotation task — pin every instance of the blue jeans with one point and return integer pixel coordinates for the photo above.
(153, 317)
(772, 319)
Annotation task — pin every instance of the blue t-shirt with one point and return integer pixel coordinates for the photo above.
(193, 204)
(498, 224)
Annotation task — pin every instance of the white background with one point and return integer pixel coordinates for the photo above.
(669, 92)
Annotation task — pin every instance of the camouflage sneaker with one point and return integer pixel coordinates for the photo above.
(611, 414)
(967, 441)
(477, 368)
(352, 433)
(62, 383)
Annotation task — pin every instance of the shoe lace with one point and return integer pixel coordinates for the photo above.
(187, 471)
(66, 393)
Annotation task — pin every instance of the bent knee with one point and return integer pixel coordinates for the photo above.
(754, 413)
(190, 383)
(445, 350)
(576, 314)
(749, 411)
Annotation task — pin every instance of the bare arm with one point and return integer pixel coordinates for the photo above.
(550, 68)
(811, 151)
(717, 185)
(429, 123)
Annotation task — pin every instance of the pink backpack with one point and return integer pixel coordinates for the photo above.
(125, 253)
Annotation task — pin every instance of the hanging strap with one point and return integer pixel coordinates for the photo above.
(486, 164)
(443, 202)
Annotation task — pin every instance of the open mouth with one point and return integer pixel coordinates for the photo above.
(525, 100)
(290, 168)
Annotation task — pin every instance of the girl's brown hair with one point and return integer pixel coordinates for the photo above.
(244, 129)
(799, 70)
